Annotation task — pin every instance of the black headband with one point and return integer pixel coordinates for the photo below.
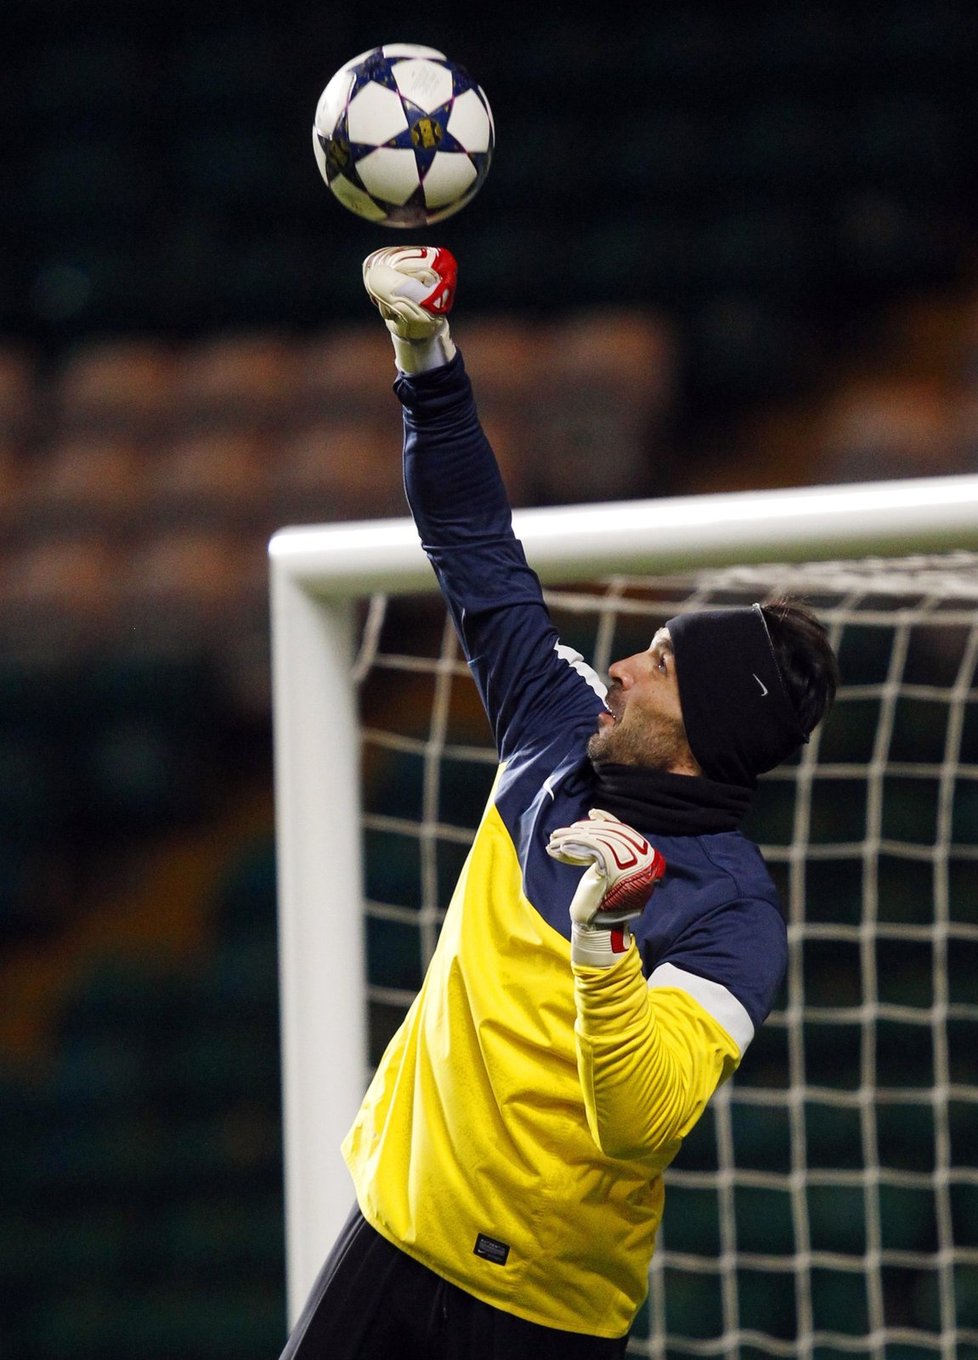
(738, 717)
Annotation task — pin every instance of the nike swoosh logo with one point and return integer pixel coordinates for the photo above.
(764, 689)
(547, 788)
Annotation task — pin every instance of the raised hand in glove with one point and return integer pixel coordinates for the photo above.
(623, 869)
(413, 288)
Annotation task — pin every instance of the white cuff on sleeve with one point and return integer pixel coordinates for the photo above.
(420, 356)
(716, 1000)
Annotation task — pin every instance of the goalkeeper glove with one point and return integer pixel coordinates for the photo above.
(623, 869)
(413, 288)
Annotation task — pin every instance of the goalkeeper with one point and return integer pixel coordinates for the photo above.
(508, 1157)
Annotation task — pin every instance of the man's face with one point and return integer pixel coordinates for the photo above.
(644, 722)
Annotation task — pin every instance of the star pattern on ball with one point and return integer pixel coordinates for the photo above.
(405, 136)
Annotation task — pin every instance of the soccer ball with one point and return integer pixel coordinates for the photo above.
(403, 136)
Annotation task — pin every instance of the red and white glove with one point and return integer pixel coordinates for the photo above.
(413, 288)
(623, 869)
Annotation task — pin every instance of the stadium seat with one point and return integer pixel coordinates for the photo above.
(189, 580)
(56, 590)
(236, 380)
(213, 478)
(18, 391)
(347, 374)
(86, 482)
(14, 481)
(339, 467)
(346, 370)
(606, 396)
(506, 355)
(883, 430)
(123, 386)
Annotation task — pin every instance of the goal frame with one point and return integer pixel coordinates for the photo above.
(317, 573)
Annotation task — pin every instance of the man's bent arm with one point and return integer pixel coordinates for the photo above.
(648, 1060)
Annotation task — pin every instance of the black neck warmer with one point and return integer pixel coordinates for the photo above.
(658, 803)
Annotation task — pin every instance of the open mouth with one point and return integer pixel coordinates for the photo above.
(614, 699)
(609, 713)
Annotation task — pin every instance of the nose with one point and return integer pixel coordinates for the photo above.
(623, 672)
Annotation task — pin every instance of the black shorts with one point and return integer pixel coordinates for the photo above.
(372, 1302)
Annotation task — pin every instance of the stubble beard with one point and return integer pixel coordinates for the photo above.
(658, 745)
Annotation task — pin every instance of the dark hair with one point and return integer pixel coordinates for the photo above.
(805, 657)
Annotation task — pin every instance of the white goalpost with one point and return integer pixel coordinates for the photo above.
(802, 1199)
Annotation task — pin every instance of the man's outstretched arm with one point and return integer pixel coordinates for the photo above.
(461, 508)
(453, 485)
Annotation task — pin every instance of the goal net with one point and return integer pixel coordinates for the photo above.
(827, 1203)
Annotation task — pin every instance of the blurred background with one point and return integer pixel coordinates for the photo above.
(720, 247)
